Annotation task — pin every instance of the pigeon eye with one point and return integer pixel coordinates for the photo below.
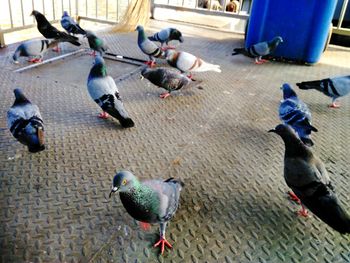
(124, 182)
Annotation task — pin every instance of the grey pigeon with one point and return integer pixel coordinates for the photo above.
(166, 35)
(331, 87)
(70, 25)
(306, 175)
(260, 49)
(25, 123)
(148, 47)
(96, 43)
(294, 112)
(152, 201)
(166, 79)
(105, 93)
(33, 48)
(187, 62)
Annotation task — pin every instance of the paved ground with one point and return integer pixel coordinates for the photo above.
(55, 206)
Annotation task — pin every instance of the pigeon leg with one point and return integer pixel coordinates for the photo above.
(56, 49)
(303, 212)
(164, 95)
(334, 105)
(259, 60)
(293, 197)
(150, 63)
(103, 115)
(162, 241)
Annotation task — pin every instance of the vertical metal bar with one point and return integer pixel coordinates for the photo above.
(43, 7)
(76, 8)
(10, 9)
(183, 3)
(62, 6)
(53, 10)
(86, 8)
(117, 10)
(70, 7)
(2, 40)
(106, 9)
(32, 10)
(342, 13)
(224, 6)
(22, 13)
(196, 4)
(96, 8)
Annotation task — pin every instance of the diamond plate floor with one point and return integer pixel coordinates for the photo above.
(55, 206)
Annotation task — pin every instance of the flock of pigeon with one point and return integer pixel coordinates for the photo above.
(156, 201)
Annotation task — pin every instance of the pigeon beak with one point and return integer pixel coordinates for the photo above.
(114, 189)
(141, 77)
(272, 130)
(181, 39)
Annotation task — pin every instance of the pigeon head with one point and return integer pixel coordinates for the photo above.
(89, 34)
(98, 69)
(176, 34)
(139, 28)
(145, 72)
(275, 42)
(65, 13)
(35, 13)
(123, 182)
(20, 98)
(288, 92)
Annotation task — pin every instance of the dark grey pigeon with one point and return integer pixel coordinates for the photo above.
(306, 175)
(166, 79)
(25, 123)
(148, 47)
(96, 43)
(105, 93)
(332, 87)
(151, 201)
(70, 25)
(33, 48)
(259, 50)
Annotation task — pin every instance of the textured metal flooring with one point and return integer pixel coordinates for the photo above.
(55, 206)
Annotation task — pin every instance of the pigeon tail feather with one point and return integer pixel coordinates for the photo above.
(328, 209)
(237, 51)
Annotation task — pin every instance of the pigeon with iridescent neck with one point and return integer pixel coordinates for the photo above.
(105, 93)
(148, 47)
(151, 201)
(34, 49)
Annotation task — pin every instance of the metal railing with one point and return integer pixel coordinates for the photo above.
(15, 15)
(339, 28)
(226, 8)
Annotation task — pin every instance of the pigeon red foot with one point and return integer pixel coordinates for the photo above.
(103, 115)
(162, 243)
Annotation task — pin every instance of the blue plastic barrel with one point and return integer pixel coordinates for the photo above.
(303, 24)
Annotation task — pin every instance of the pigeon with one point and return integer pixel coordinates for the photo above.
(25, 123)
(294, 112)
(260, 49)
(166, 79)
(187, 62)
(148, 47)
(96, 43)
(51, 32)
(307, 176)
(105, 93)
(331, 87)
(166, 35)
(152, 201)
(70, 25)
(33, 48)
